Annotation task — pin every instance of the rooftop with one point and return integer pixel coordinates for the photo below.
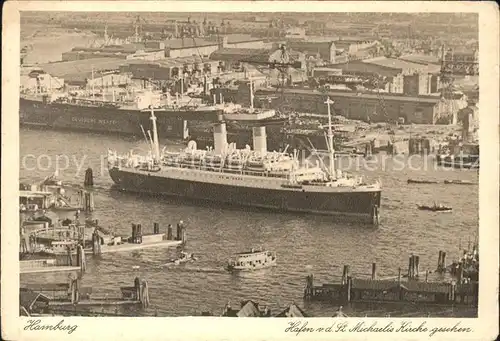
(184, 43)
(230, 54)
(171, 62)
(241, 38)
(62, 69)
(420, 58)
(402, 64)
(352, 94)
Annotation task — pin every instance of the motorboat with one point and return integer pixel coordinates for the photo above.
(413, 181)
(252, 260)
(435, 208)
(459, 182)
(183, 258)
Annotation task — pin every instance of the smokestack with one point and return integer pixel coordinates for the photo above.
(259, 139)
(220, 138)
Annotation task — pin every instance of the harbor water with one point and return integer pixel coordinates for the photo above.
(304, 244)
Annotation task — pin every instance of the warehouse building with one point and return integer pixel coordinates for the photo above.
(187, 47)
(400, 76)
(100, 73)
(326, 50)
(171, 68)
(126, 51)
(232, 58)
(367, 106)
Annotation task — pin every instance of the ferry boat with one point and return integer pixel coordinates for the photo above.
(252, 260)
(246, 177)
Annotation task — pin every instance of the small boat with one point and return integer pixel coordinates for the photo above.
(183, 258)
(413, 181)
(252, 260)
(459, 182)
(435, 208)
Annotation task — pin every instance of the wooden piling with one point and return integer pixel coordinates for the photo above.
(426, 275)
(348, 288)
(374, 271)
(410, 267)
(169, 232)
(183, 236)
(81, 262)
(399, 275)
(443, 261)
(96, 243)
(139, 233)
(345, 274)
(416, 263)
(88, 201)
(144, 296)
(156, 228)
(460, 271)
(137, 285)
(439, 265)
(134, 232)
(179, 229)
(89, 178)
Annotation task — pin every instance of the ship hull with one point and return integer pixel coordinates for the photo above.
(344, 203)
(100, 119)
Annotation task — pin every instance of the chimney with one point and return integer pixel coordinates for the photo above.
(259, 140)
(220, 138)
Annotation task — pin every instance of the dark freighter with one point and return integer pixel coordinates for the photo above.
(246, 177)
(131, 117)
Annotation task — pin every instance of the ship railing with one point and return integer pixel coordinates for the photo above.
(218, 168)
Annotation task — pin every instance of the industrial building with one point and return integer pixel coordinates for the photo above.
(172, 68)
(400, 76)
(368, 106)
(126, 51)
(233, 58)
(358, 49)
(326, 50)
(103, 72)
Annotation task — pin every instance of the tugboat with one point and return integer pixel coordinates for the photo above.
(435, 208)
(253, 260)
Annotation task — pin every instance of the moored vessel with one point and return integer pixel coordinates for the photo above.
(126, 113)
(418, 181)
(246, 177)
(435, 208)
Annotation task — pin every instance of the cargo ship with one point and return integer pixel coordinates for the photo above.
(78, 110)
(245, 177)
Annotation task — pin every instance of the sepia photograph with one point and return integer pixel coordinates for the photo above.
(250, 164)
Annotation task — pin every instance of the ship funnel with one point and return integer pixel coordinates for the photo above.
(220, 138)
(259, 139)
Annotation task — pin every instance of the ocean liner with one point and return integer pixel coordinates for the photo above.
(246, 177)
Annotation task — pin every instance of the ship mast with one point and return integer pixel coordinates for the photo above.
(330, 139)
(155, 135)
(251, 94)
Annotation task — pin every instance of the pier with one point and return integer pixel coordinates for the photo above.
(59, 263)
(413, 289)
(66, 297)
